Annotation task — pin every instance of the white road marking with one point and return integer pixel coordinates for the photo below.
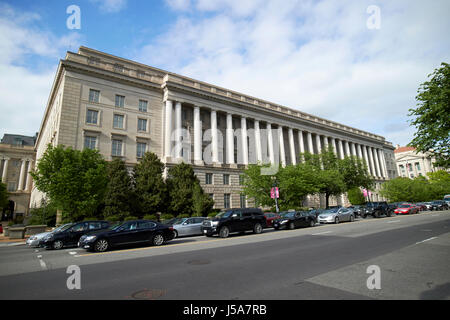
(73, 252)
(42, 262)
(393, 221)
(426, 240)
(315, 234)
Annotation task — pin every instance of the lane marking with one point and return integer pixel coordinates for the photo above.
(42, 262)
(73, 252)
(426, 240)
(315, 234)
(393, 221)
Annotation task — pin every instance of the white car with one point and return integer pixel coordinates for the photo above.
(336, 215)
(188, 226)
(35, 239)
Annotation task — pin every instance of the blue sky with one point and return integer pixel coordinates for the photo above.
(316, 56)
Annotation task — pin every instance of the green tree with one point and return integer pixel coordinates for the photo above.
(75, 181)
(431, 116)
(355, 196)
(439, 184)
(257, 186)
(354, 172)
(181, 182)
(45, 214)
(119, 196)
(203, 204)
(3, 195)
(149, 185)
(404, 189)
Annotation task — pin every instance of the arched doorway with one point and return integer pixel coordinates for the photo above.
(8, 211)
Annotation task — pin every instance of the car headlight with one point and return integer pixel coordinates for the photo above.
(89, 238)
(284, 221)
(214, 223)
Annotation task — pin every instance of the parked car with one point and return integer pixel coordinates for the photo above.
(406, 208)
(293, 219)
(439, 205)
(316, 212)
(337, 215)
(69, 236)
(270, 217)
(429, 205)
(35, 240)
(377, 209)
(234, 220)
(127, 233)
(358, 209)
(187, 226)
(421, 206)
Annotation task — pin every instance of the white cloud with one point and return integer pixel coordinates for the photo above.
(316, 56)
(25, 87)
(111, 6)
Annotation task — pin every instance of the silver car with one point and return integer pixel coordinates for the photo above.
(336, 215)
(188, 226)
(34, 240)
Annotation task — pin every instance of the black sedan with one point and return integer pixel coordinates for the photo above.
(439, 205)
(130, 232)
(293, 219)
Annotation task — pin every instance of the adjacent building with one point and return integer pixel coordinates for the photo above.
(17, 158)
(124, 108)
(411, 163)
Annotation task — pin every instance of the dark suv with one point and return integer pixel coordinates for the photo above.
(234, 220)
(376, 209)
(69, 235)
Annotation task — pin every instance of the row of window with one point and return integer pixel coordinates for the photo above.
(409, 167)
(118, 120)
(117, 150)
(94, 96)
(227, 200)
(226, 179)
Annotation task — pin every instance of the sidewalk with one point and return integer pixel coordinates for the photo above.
(6, 241)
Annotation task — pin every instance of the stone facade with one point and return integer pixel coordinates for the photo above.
(122, 107)
(411, 163)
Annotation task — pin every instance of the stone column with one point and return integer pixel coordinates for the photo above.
(353, 149)
(318, 144)
(347, 149)
(29, 178)
(310, 143)
(377, 162)
(383, 164)
(341, 149)
(178, 132)
(292, 146)
(366, 159)
(333, 145)
(21, 176)
(370, 152)
(270, 143)
(301, 143)
(5, 170)
(244, 140)
(230, 139)
(168, 129)
(258, 143)
(197, 137)
(281, 140)
(214, 138)
(325, 142)
(359, 151)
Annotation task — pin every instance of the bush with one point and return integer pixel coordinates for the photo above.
(166, 216)
(212, 214)
(130, 218)
(151, 217)
(90, 218)
(45, 215)
(183, 216)
(113, 218)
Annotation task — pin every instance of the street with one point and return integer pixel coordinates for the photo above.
(322, 262)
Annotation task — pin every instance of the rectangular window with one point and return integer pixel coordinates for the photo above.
(226, 179)
(211, 195)
(208, 178)
(12, 186)
(143, 105)
(241, 180)
(116, 148)
(243, 202)
(118, 121)
(142, 125)
(226, 201)
(90, 142)
(94, 95)
(141, 148)
(417, 166)
(92, 116)
(120, 101)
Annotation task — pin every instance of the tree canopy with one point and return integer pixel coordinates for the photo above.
(431, 117)
(3, 195)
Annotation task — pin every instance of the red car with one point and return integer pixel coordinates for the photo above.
(406, 208)
(270, 217)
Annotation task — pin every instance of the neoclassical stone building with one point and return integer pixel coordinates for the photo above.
(413, 164)
(124, 108)
(17, 158)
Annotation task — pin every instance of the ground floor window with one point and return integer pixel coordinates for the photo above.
(226, 201)
(243, 200)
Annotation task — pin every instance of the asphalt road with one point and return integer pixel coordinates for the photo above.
(323, 262)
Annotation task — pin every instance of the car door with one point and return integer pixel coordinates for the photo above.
(197, 225)
(237, 223)
(343, 215)
(127, 233)
(187, 227)
(74, 233)
(248, 219)
(145, 230)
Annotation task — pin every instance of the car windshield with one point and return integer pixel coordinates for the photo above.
(334, 210)
(437, 202)
(63, 227)
(179, 221)
(225, 214)
(404, 206)
(287, 214)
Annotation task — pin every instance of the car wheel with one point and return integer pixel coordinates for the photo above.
(336, 220)
(389, 213)
(312, 223)
(352, 218)
(158, 239)
(58, 244)
(101, 245)
(291, 226)
(363, 216)
(224, 232)
(376, 214)
(257, 228)
(175, 234)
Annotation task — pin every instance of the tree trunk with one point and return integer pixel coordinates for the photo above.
(327, 200)
(58, 217)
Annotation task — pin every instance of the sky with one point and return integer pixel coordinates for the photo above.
(358, 62)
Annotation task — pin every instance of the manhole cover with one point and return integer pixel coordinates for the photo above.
(199, 262)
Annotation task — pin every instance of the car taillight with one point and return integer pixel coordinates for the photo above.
(171, 228)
